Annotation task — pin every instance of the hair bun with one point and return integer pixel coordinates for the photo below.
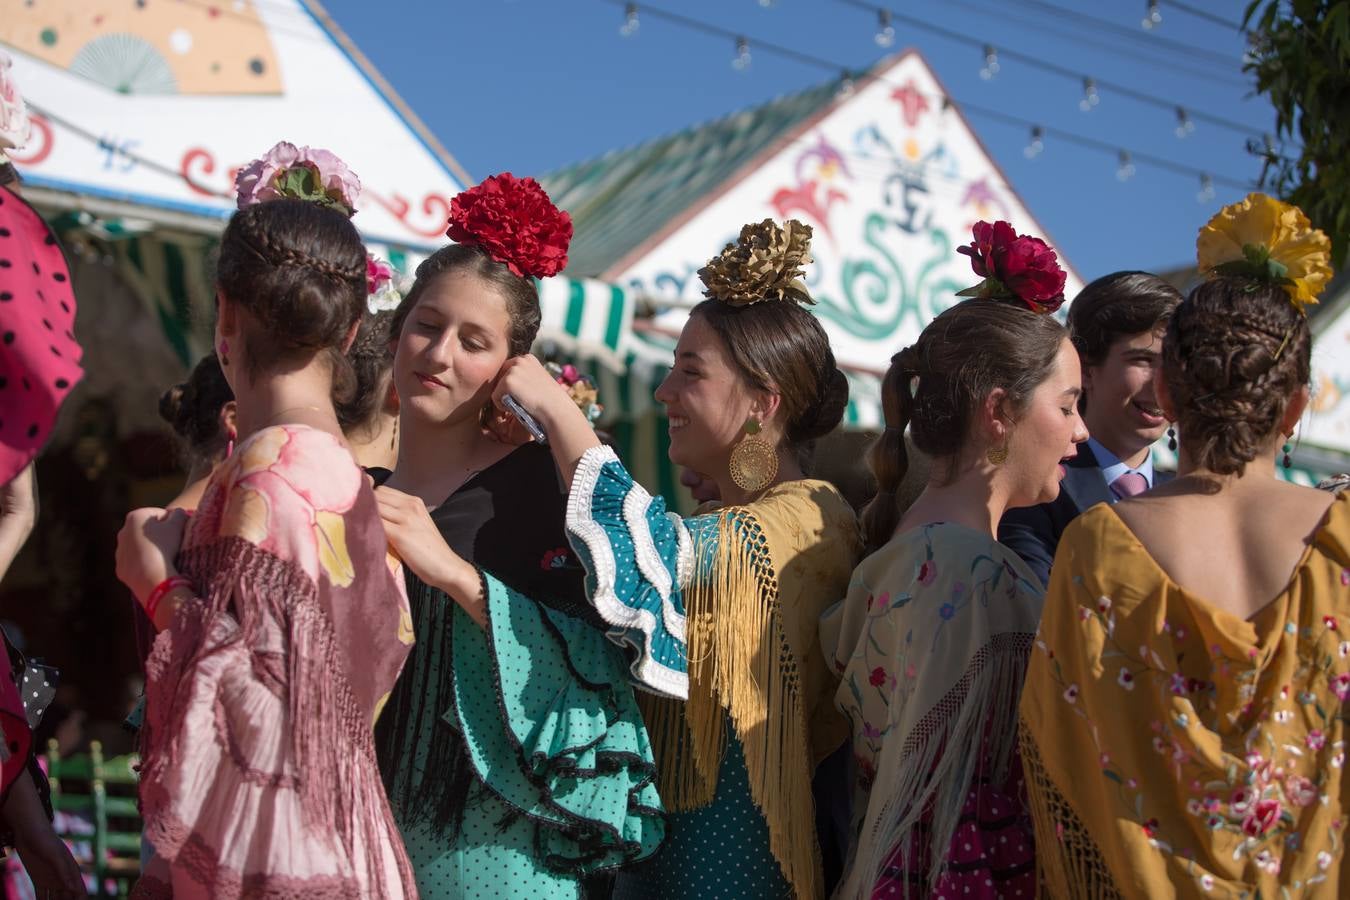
(825, 414)
(171, 407)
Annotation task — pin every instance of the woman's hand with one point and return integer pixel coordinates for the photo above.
(530, 384)
(570, 433)
(417, 541)
(147, 546)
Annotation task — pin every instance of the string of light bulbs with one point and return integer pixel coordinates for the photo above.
(885, 37)
(1125, 157)
(1145, 53)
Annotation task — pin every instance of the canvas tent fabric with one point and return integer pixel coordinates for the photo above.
(156, 105)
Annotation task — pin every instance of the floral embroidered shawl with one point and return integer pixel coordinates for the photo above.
(1173, 749)
(932, 643)
(259, 775)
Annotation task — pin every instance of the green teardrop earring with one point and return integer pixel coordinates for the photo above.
(1287, 448)
(1171, 438)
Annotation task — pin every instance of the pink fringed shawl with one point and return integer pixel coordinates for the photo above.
(259, 776)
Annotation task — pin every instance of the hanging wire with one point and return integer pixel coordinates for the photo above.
(997, 115)
(1036, 61)
(1204, 14)
(1150, 52)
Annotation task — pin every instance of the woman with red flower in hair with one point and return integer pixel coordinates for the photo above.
(512, 748)
(933, 638)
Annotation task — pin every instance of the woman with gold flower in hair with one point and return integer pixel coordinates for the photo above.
(1182, 719)
(720, 610)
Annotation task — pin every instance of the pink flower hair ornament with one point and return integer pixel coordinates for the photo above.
(301, 173)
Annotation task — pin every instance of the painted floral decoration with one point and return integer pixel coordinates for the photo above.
(766, 263)
(1269, 241)
(302, 173)
(1014, 267)
(514, 220)
(14, 123)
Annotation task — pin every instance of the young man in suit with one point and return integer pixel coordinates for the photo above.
(1117, 323)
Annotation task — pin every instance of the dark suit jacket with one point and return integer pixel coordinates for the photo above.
(1033, 532)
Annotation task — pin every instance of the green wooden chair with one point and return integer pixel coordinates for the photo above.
(103, 792)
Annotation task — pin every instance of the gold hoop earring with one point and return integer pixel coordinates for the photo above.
(997, 455)
(754, 462)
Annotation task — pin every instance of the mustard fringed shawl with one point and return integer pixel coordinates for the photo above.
(763, 574)
(1173, 749)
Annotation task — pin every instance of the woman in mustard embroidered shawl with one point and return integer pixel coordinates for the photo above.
(933, 638)
(721, 609)
(1183, 716)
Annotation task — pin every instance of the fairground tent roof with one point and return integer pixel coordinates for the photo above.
(142, 113)
(884, 168)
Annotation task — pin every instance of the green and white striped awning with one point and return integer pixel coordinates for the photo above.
(586, 317)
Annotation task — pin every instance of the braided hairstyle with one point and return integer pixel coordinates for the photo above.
(300, 271)
(936, 387)
(192, 410)
(372, 361)
(1235, 352)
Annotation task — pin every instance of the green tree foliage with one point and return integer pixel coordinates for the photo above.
(1300, 56)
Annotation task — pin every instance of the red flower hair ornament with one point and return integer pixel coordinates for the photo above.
(1014, 267)
(514, 220)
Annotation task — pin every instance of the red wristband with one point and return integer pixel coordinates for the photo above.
(162, 590)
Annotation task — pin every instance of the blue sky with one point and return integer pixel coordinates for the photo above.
(532, 85)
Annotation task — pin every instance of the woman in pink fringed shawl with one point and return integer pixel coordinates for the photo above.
(283, 624)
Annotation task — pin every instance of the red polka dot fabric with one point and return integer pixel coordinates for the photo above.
(39, 357)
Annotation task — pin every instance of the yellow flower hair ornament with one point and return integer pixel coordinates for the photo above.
(1269, 241)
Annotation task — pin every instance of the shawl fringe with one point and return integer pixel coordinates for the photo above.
(422, 702)
(1076, 868)
(939, 760)
(741, 667)
(330, 737)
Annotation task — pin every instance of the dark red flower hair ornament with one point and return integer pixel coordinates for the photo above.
(1014, 267)
(515, 222)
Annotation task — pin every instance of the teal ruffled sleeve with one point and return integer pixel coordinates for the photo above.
(552, 728)
(638, 556)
